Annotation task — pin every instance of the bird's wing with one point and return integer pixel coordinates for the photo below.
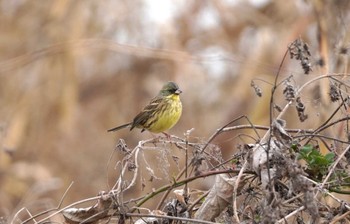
(147, 114)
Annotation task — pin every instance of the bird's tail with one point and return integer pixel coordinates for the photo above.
(119, 127)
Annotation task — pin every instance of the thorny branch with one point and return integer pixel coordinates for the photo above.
(278, 189)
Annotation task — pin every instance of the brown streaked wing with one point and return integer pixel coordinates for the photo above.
(147, 112)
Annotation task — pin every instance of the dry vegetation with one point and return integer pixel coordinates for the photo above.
(264, 135)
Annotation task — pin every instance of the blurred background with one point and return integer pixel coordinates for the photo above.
(70, 70)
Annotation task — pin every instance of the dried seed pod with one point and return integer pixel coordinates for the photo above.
(301, 110)
(256, 88)
(300, 50)
(289, 92)
(306, 65)
(278, 108)
(334, 94)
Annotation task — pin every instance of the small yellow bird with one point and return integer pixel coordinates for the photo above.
(161, 114)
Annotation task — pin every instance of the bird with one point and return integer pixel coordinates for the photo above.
(161, 114)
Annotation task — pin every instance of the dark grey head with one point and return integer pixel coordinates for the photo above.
(170, 88)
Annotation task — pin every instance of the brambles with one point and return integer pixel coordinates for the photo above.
(259, 180)
(267, 174)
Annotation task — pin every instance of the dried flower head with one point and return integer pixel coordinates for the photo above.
(121, 146)
(334, 94)
(256, 88)
(289, 92)
(300, 50)
(301, 110)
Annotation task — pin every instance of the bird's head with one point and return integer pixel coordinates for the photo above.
(170, 88)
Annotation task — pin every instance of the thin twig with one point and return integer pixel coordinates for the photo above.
(173, 185)
(17, 214)
(262, 127)
(333, 168)
(199, 199)
(53, 209)
(293, 213)
(333, 123)
(68, 206)
(321, 137)
(329, 119)
(169, 217)
(325, 191)
(337, 219)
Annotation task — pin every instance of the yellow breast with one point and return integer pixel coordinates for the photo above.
(168, 117)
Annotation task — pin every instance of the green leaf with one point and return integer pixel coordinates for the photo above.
(317, 163)
(330, 157)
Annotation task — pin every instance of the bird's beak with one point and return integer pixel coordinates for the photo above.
(178, 91)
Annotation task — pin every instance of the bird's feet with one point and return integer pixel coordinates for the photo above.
(167, 136)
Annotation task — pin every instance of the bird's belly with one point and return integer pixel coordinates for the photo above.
(168, 119)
